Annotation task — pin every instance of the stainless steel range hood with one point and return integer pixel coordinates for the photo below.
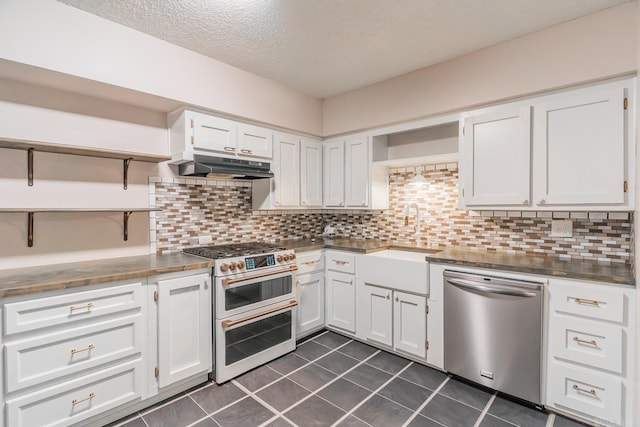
(227, 167)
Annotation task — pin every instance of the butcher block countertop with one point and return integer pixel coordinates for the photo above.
(29, 280)
(547, 266)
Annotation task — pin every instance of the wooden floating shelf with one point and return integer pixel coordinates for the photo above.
(48, 147)
(32, 211)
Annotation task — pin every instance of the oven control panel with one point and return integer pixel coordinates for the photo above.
(260, 261)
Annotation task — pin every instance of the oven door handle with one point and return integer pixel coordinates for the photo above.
(227, 281)
(229, 323)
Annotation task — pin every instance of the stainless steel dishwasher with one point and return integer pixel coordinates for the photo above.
(493, 332)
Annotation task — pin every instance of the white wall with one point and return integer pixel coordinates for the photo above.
(61, 39)
(593, 47)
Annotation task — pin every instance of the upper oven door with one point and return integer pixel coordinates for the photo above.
(241, 293)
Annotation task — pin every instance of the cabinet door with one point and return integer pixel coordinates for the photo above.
(579, 146)
(341, 301)
(310, 302)
(377, 314)
(333, 176)
(311, 173)
(496, 158)
(286, 168)
(212, 133)
(356, 171)
(410, 323)
(184, 327)
(254, 141)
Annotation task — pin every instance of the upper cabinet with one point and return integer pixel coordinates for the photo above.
(193, 132)
(297, 170)
(566, 151)
(350, 178)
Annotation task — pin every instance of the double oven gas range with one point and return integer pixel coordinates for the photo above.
(254, 305)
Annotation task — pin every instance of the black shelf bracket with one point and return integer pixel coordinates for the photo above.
(125, 170)
(30, 229)
(127, 214)
(30, 167)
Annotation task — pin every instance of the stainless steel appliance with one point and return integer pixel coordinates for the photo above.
(493, 332)
(254, 305)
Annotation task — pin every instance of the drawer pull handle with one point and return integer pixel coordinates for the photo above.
(592, 392)
(592, 342)
(310, 262)
(74, 402)
(586, 302)
(245, 151)
(87, 348)
(229, 149)
(87, 306)
(339, 262)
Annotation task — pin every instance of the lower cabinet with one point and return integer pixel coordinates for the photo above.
(341, 301)
(184, 328)
(395, 319)
(311, 296)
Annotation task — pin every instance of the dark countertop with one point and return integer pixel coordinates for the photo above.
(29, 280)
(547, 266)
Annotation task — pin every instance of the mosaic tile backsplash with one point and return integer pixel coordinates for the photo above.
(222, 210)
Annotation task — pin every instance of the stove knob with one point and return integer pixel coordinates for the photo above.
(290, 257)
(224, 268)
(280, 258)
(240, 265)
(293, 256)
(232, 266)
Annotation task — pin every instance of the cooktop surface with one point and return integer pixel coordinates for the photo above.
(233, 250)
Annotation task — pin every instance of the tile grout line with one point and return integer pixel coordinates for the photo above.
(551, 420)
(393, 377)
(416, 413)
(485, 410)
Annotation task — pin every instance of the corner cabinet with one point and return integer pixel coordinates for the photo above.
(573, 150)
(349, 175)
(183, 326)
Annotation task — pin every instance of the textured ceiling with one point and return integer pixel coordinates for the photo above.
(327, 47)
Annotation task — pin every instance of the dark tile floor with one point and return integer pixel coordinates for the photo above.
(333, 380)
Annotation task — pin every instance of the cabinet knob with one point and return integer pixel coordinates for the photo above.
(388, 296)
(542, 202)
(364, 203)
(525, 202)
(341, 204)
(397, 299)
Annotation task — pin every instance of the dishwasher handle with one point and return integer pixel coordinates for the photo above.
(493, 289)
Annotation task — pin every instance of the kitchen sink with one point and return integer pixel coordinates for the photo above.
(404, 255)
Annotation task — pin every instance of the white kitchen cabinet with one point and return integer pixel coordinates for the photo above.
(310, 173)
(590, 348)
(192, 132)
(184, 327)
(579, 155)
(395, 319)
(311, 296)
(333, 175)
(350, 178)
(286, 169)
(495, 155)
(576, 153)
(410, 323)
(310, 290)
(341, 301)
(69, 356)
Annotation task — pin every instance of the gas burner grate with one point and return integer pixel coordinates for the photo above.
(233, 250)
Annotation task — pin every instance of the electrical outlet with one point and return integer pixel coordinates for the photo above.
(561, 228)
(205, 240)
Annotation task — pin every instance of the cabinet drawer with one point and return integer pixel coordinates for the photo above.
(584, 391)
(77, 400)
(588, 342)
(34, 361)
(342, 262)
(66, 309)
(596, 301)
(310, 261)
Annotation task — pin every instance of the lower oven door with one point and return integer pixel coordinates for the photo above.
(253, 338)
(245, 293)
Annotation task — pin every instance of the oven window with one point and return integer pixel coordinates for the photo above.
(245, 341)
(244, 295)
